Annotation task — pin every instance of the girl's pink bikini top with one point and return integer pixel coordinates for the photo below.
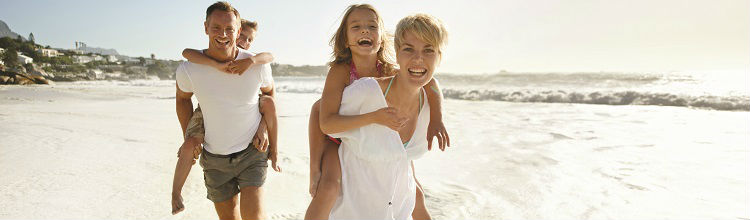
(353, 71)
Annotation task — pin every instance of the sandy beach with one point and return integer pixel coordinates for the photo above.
(107, 150)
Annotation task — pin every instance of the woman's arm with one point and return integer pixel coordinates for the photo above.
(436, 127)
(195, 56)
(330, 102)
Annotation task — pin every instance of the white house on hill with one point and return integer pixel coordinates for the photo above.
(23, 59)
(48, 52)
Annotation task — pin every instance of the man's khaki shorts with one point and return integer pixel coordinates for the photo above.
(225, 175)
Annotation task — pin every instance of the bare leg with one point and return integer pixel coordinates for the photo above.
(228, 210)
(316, 139)
(184, 163)
(250, 203)
(420, 209)
(186, 155)
(330, 184)
(268, 109)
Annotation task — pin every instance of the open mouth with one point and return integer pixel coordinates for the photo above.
(417, 71)
(222, 42)
(364, 42)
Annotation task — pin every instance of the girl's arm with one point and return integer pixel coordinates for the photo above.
(436, 127)
(330, 102)
(195, 56)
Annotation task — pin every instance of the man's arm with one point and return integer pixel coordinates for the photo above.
(184, 104)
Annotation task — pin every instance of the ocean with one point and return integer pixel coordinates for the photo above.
(709, 90)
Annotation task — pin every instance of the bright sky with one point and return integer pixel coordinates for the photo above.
(485, 36)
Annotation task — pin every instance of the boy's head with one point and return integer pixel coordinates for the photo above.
(248, 31)
(419, 41)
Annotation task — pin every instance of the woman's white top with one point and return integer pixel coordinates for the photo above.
(376, 176)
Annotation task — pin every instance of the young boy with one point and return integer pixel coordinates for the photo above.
(265, 137)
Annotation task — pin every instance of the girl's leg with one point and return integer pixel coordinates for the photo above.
(420, 209)
(316, 139)
(329, 186)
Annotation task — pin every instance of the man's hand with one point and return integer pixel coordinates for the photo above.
(437, 129)
(177, 205)
(260, 141)
(239, 66)
(192, 143)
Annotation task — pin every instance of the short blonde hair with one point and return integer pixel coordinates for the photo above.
(425, 27)
(250, 24)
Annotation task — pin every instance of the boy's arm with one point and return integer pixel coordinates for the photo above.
(330, 102)
(436, 127)
(263, 58)
(239, 66)
(195, 56)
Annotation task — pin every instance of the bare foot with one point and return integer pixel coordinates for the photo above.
(177, 205)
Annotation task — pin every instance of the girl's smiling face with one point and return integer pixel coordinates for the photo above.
(363, 32)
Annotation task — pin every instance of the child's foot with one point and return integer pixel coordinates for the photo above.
(177, 205)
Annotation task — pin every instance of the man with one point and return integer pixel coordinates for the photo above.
(231, 118)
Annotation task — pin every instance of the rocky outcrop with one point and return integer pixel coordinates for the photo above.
(10, 77)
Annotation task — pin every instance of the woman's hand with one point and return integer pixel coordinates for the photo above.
(437, 129)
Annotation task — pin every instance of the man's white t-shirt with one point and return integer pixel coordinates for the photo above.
(229, 102)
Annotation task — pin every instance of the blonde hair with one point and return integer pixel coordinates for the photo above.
(425, 27)
(343, 55)
(250, 24)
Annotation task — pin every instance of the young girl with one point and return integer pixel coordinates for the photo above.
(190, 149)
(378, 181)
(361, 48)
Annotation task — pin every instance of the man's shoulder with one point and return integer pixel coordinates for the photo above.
(242, 53)
(185, 65)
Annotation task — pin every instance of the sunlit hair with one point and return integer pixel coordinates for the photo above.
(222, 6)
(343, 55)
(249, 24)
(425, 27)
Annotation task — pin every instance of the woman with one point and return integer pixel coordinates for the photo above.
(376, 161)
